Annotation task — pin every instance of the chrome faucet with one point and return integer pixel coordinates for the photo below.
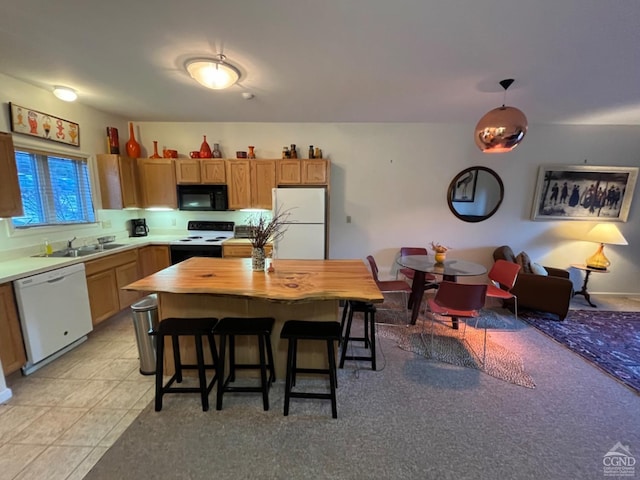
(70, 243)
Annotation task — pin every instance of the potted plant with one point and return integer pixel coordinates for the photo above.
(440, 251)
(265, 228)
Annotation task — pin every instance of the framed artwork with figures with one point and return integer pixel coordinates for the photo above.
(584, 192)
(28, 121)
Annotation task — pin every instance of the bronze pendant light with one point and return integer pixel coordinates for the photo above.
(501, 129)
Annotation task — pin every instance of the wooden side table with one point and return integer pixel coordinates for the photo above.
(583, 291)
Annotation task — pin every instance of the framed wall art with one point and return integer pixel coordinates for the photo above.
(584, 192)
(43, 125)
(464, 189)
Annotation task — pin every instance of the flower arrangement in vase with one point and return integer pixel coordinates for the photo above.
(440, 251)
(262, 231)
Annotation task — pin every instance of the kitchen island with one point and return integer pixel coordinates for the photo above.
(227, 287)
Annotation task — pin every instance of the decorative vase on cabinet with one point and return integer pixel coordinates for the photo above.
(133, 147)
(217, 153)
(205, 149)
(155, 150)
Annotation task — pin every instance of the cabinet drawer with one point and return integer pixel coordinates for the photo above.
(111, 261)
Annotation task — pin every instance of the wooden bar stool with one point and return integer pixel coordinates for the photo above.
(261, 328)
(369, 337)
(175, 328)
(295, 330)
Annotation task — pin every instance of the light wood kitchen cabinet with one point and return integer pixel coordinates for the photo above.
(303, 172)
(242, 250)
(249, 183)
(103, 295)
(105, 278)
(203, 171)
(152, 259)
(315, 172)
(157, 182)
(10, 198)
(12, 353)
(126, 274)
(118, 181)
(239, 183)
(263, 181)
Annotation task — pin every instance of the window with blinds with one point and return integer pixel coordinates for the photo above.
(55, 189)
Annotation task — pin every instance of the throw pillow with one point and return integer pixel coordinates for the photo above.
(538, 269)
(524, 261)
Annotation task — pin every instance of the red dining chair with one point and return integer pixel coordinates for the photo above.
(430, 280)
(503, 276)
(458, 300)
(391, 286)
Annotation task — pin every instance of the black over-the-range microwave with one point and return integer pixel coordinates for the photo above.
(202, 197)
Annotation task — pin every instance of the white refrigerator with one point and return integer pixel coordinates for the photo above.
(305, 236)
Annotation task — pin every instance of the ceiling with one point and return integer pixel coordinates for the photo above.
(573, 61)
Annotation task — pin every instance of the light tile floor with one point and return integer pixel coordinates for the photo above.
(63, 417)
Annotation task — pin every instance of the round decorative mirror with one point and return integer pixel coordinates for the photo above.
(475, 194)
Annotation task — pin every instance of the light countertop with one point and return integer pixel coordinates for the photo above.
(21, 267)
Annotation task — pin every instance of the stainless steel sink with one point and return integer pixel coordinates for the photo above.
(82, 251)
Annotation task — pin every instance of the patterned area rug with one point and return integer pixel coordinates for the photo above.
(611, 340)
(461, 347)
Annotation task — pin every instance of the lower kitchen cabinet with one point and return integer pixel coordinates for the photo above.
(152, 259)
(12, 353)
(103, 295)
(105, 279)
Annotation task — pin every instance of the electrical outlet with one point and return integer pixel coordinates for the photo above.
(106, 224)
(173, 222)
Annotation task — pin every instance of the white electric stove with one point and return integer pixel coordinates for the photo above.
(203, 239)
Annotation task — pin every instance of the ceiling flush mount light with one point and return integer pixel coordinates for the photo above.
(215, 73)
(501, 129)
(603, 233)
(65, 93)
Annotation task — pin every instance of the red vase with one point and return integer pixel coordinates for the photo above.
(205, 149)
(133, 147)
(155, 150)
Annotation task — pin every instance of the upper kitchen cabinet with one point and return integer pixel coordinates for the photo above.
(157, 182)
(250, 183)
(10, 198)
(203, 171)
(239, 183)
(118, 181)
(303, 172)
(263, 181)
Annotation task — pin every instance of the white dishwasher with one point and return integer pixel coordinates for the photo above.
(54, 313)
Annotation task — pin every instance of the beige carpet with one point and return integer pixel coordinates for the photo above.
(463, 347)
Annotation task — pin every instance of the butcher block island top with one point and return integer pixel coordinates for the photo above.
(292, 281)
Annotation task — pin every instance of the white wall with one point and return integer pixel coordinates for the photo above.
(392, 180)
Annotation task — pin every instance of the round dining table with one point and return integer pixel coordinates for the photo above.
(450, 270)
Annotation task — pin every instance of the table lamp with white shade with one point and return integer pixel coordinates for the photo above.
(603, 233)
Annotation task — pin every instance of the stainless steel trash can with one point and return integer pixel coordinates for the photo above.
(145, 318)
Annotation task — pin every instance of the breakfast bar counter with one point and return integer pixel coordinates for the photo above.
(228, 287)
